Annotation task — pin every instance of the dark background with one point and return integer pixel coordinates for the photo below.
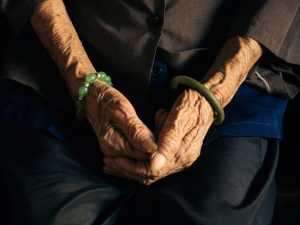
(287, 211)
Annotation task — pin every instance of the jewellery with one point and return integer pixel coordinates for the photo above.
(220, 115)
(84, 90)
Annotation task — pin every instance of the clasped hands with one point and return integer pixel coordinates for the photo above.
(131, 150)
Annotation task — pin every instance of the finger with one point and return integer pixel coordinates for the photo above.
(136, 168)
(113, 143)
(125, 118)
(160, 118)
(168, 144)
(111, 169)
(142, 169)
(181, 120)
(139, 135)
(125, 175)
(128, 176)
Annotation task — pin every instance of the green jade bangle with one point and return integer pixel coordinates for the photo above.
(84, 90)
(203, 91)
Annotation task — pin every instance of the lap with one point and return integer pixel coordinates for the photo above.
(49, 182)
(231, 183)
(54, 183)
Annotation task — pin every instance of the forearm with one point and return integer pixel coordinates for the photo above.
(56, 31)
(231, 67)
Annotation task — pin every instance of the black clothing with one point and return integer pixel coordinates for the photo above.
(55, 182)
(186, 34)
(231, 183)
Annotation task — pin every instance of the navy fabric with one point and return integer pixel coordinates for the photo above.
(22, 107)
(251, 112)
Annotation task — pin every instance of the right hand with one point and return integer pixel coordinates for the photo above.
(118, 129)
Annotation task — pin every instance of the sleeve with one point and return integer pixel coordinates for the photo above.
(273, 23)
(17, 13)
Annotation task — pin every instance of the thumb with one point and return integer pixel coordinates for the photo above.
(158, 161)
(168, 145)
(137, 133)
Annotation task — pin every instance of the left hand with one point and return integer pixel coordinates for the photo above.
(183, 131)
(179, 143)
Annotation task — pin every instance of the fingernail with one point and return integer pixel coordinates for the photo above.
(150, 145)
(158, 161)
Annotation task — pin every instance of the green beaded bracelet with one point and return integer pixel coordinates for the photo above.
(84, 90)
(220, 115)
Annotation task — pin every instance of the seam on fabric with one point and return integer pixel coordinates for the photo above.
(263, 80)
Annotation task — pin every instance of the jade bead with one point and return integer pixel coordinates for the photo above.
(102, 76)
(83, 91)
(90, 78)
(107, 79)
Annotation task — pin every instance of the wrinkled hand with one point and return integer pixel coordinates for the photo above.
(180, 139)
(119, 131)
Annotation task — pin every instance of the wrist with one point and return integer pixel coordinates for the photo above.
(75, 77)
(96, 81)
(202, 92)
(231, 67)
(220, 88)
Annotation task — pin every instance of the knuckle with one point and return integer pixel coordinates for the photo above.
(146, 182)
(144, 170)
(114, 139)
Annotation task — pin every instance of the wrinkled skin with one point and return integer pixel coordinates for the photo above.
(118, 129)
(128, 145)
(181, 133)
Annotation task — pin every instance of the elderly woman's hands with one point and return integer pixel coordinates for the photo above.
(179, 144)
(118, 129)
(184, 128)
(128, 145)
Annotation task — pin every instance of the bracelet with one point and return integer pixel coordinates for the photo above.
(220, 115)
(84, 90)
